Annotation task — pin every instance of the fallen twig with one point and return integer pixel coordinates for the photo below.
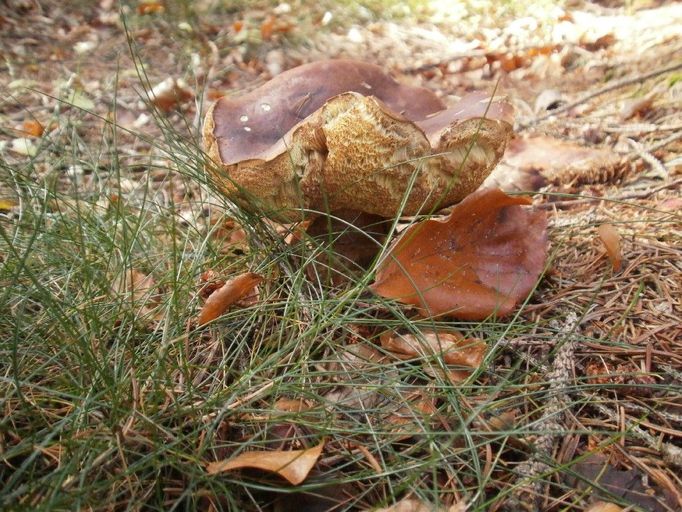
(663, 143)
(531, 470)
(655, 164)
(642, 128)
(606, 89)
(643, 194)
(671, 454)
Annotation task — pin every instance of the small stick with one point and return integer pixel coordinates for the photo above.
(641, 128)
(663, 143)
(655, 164)
(671, 454)
(551, 423)
(633, 195)
(611, 87)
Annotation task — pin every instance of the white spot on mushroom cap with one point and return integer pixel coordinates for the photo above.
(244, 118)
(266, 107)
(366, 85)
(247, 129)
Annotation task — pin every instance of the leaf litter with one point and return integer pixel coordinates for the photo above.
(292, 465)
(625, 368)
(231, 292)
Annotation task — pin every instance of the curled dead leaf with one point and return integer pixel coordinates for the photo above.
(611, 240)
(290, 405)
(603, 506)
(33, 128)
(481, 260)
(454, 348)
(147, 7)
(232, 291)
(292, 465)
(412, 505)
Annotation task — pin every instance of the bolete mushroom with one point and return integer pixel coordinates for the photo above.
(343, 135)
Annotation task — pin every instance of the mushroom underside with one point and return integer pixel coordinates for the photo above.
(355, 153)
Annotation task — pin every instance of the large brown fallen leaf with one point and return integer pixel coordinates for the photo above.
(454, 348)
(481, 260)
(221, 299)
(292, 465)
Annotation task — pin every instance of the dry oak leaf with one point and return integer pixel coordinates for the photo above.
(232, 291)
(292, 465)
(454, 348)
(480, 260)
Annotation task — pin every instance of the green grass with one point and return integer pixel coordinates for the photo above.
(115, 399)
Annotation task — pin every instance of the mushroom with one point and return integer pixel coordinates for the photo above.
(343, 135)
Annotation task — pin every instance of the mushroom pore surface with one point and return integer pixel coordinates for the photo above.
(341, 134)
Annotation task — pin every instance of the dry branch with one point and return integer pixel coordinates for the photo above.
(604, 90)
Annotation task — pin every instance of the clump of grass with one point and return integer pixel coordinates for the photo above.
(112, 397)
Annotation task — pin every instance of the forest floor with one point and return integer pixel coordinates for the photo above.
(112, 397)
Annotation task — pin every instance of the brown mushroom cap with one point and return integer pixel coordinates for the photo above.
(341, 134)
